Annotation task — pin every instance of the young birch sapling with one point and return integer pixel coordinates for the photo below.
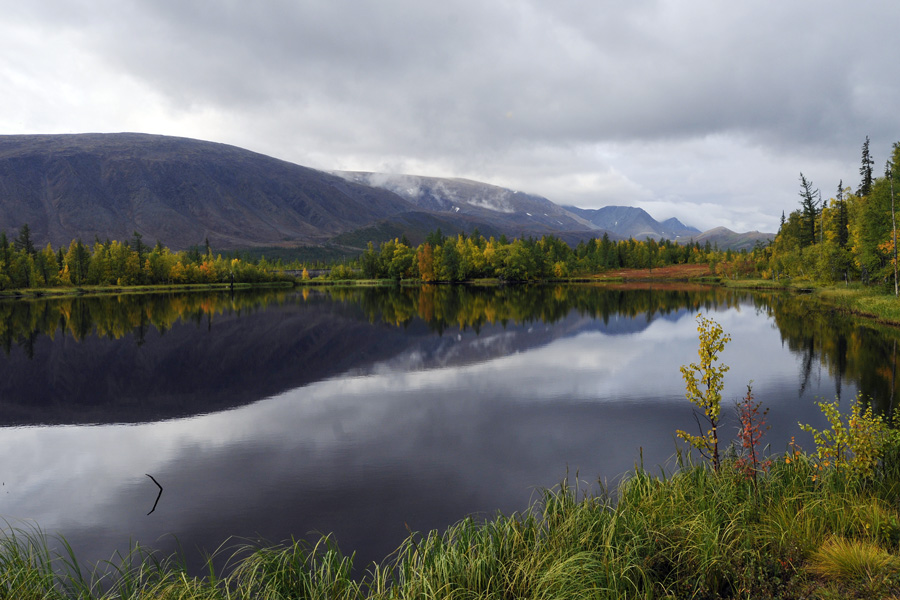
(704, 382)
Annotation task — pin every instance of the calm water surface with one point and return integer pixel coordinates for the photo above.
(371, 412)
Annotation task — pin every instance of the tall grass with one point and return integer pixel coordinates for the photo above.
(26, 565)
(692, 533)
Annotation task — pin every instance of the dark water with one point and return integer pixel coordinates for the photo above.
(371, 412)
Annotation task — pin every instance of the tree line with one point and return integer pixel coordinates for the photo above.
(113, 262)
(466, 257)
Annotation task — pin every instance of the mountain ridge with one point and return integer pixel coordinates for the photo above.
(183, 191)
(174, 189)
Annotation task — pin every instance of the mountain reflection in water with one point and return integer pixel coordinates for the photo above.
(364, 411)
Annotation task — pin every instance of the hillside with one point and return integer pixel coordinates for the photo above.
(176, 190)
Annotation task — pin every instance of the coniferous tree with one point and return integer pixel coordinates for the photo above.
(809, 210)
(865, 171)
(843, 233)
(4, 248)
(889, 173)
(23, 242)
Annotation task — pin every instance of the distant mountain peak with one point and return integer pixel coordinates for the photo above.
(634, 222)
(674, 224)
(725, 238)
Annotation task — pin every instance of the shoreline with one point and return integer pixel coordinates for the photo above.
(111, 290)
(867, 303)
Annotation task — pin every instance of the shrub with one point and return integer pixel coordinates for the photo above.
(856, 444)
(752, 427)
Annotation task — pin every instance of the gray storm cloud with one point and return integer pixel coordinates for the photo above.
(678, 106)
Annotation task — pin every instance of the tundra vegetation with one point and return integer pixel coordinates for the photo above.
(819, 524)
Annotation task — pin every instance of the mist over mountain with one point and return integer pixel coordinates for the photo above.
(182, 192)
(504, 208)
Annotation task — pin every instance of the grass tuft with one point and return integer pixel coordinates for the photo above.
(850, 561)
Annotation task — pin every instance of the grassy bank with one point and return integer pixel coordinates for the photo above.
(856, 299)
(801, 532)
(879, 306)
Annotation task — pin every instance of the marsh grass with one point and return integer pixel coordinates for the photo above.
(26, 570)
(691, 533)
(295, 570)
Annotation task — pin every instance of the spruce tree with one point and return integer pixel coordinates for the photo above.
(865, 171)
(23, 242)
(889, 174)
(809, 212)
(843, 233)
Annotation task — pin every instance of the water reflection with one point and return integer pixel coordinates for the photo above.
(367, 411)
(846, 347)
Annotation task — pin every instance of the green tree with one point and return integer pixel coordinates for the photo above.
(809, 211)
(446, 261)
(159, 264)
(889, 173)
(45, 265)
(704, 382)
(78, 262)
(843, 218)
(24, 242)
(403, 262)
(369, 262)
(865, 171)
(139, 248)
(871, 230)
(5, 256)
(435, 238)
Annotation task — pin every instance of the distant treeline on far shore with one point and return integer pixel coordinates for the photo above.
(440, 258)
(129, 263)
(465, 257)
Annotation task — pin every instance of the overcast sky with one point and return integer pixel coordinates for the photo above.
(706, 110)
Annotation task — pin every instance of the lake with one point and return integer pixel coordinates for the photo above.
(372, 412)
